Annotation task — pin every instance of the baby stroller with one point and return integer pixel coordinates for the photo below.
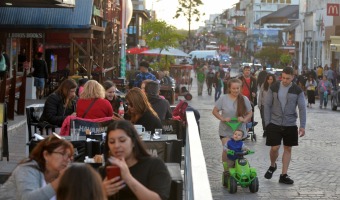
(251, 126)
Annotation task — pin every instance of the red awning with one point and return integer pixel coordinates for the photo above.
(240, 28)
(136, 50)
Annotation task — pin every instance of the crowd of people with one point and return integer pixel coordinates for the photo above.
(46, 173)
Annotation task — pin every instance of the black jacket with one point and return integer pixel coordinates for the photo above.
(40, 69)
(54, 110)
(161, 107)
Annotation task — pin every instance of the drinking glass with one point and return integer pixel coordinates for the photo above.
(158, 133)
(75, 134)
(146, 135)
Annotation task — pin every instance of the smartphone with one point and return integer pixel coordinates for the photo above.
(112, 171)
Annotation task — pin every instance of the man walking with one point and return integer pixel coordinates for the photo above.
(144, 74)
(280, 120)
(249, 88)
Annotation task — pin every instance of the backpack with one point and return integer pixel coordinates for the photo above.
(179, 111)
(2, 63)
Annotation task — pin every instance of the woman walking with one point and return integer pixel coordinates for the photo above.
(311, 85)
(270, 79)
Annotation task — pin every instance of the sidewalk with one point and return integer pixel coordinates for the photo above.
(17, 139)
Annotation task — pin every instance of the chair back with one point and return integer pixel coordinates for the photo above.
(171, 126)
(96, 126)
(33, 114)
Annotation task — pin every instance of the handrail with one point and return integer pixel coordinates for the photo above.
(196, 181)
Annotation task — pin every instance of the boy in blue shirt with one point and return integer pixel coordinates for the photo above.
(236, 144)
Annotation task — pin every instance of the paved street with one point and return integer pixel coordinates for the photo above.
(314, 166)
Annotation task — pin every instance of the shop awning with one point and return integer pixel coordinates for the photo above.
(78, 17)
(38, 3)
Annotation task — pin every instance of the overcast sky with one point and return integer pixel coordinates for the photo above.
(166, 10)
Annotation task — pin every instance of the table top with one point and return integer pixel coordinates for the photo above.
(164, 137)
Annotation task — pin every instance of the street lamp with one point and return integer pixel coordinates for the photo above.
(308, 40)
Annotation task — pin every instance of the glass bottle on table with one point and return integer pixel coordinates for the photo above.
(121, 110)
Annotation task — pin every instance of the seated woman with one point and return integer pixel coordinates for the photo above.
(142, 176)
(141, 111)
(60, 103)
(80, 181)
(110, 95)
(91, 104)
(38, 177)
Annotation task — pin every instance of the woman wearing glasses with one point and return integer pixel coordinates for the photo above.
(38, 176)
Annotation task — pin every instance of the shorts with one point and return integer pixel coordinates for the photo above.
(275, 134)
(39, 83)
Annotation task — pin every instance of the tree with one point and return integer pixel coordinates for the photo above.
(188, 8)
(270, 55)
(159, 34)
(285, 59)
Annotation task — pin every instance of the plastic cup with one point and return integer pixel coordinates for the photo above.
(112, 171)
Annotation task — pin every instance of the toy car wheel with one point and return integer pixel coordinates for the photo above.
(232, 187)
(254, 185)
(188, 96)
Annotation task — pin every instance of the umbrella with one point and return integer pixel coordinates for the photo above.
(136, 50)
(169, 52)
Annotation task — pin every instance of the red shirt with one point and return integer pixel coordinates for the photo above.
(246, 88)
(101, 108)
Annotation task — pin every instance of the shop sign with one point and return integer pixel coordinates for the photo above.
(332, 9)
(26, 35)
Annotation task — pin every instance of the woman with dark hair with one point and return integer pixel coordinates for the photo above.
(270, 79)
(38, 176)
(311, 86)
(142, 176)
(80, 181)
(141, 111)
(60, 103)
(230, 105)
(110, 89)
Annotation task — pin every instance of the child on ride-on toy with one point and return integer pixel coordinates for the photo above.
(236, 144)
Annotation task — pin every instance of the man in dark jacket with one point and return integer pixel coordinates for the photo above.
(40, 74)
(161, 106)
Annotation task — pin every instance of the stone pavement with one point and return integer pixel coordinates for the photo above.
(314, 166)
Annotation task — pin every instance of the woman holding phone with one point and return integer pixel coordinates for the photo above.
(141, 176)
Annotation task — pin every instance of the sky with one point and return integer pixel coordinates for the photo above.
(166, 10)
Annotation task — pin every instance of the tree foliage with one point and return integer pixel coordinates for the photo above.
(189, 9)
(270, 55)
(285, 59)
(159, 34)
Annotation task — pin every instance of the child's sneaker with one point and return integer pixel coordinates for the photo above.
(270, 172)
(284, 178)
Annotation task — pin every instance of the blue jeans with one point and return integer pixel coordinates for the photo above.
(323, 99)
(39, 83)
(218, 91)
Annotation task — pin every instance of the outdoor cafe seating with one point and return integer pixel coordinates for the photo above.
(168, 147)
